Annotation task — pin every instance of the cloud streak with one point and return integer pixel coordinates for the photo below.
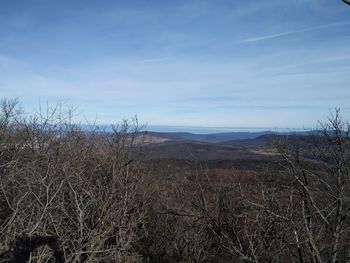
(294, 32)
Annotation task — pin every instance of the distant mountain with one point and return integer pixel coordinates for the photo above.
(190, 146)
(260, 141)
(217, 137)
(195, 150)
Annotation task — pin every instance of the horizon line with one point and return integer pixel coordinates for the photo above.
(223, 127)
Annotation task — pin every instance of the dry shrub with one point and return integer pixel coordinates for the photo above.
(79, 186)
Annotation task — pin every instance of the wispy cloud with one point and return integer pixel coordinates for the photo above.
(153, 60)
(9, 61)
(293, 32)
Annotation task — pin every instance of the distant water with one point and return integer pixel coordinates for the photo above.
(208, 130)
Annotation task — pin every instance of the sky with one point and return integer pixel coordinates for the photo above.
(206, 63)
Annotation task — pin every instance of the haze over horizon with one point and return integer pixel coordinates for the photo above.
(210, 63)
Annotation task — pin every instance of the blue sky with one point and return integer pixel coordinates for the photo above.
(222, 63)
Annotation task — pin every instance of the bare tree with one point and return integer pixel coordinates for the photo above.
(78, 186)
(320, 169)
